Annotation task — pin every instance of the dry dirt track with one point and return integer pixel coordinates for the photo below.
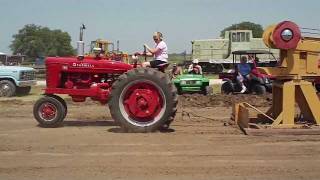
(90, 146)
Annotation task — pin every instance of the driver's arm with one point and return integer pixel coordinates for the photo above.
(200, 69)
(149, 54)
(190, 68)
(152, 50)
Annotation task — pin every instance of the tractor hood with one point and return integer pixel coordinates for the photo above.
(73, 64)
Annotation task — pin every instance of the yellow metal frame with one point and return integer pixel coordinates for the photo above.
(291, 90)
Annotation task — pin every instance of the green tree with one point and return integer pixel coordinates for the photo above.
(257, 29)
(36, 41)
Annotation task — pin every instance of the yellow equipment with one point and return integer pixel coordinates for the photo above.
(295, 104)
(106, 49)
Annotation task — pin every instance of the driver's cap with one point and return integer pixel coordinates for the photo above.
(96, 49)
(195, 61)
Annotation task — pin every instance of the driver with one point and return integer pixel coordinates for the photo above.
(176, 71)
(98, 55)
(159, 52)
(195, 68)
(244, 70)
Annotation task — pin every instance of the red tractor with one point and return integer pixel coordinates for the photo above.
(140, 99)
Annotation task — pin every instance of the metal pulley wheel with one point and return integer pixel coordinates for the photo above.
(286, 35)
(267, 36)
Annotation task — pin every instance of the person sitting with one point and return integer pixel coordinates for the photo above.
(159, 52)
(195, 68)
(254, 71)
(244, 70)
(176, 71)
(97, 53)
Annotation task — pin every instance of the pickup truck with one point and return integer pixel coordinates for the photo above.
(16, 80)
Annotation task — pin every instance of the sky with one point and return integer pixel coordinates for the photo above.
(133, 22)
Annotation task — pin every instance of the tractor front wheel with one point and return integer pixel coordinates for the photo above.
(49, 112)
(143, 100)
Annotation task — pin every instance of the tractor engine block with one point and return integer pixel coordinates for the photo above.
(98, 83)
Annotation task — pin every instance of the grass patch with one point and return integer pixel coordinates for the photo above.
(211, 76)
(216, 89)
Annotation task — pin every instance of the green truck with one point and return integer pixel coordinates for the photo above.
(192, 83)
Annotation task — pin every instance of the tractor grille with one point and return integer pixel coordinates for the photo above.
(191, 82)
(27, 75)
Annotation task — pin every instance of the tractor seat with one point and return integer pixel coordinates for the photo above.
(163, 66)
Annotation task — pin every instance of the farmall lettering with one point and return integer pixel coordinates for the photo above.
(82, 65)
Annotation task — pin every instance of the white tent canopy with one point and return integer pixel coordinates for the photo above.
(1, 53)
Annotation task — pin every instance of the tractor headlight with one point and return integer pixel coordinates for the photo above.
(198, 82)
(183, 82)
(287, 35)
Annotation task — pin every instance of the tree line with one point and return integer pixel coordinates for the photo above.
(37, 41)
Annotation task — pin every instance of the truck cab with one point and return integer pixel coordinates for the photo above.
(215, 55)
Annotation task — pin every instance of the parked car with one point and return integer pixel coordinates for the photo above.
(16, 80)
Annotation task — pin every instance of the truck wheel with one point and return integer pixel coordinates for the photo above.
(7, 88)
(23, 90)
(259, 89)
(207, 90)
(49, 112)
(143, 100)
(226, 88)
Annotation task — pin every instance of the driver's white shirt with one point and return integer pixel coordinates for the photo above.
(162, 54)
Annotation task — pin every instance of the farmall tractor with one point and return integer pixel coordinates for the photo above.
(140, 99)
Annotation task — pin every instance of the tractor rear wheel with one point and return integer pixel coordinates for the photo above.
(143, 100)
(49, 112)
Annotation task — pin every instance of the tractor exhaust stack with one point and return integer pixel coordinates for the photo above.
(80, 43)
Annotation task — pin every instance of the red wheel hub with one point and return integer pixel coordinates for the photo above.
(143, 100)
(48, 111)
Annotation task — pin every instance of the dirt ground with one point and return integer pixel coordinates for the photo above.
(201, 145)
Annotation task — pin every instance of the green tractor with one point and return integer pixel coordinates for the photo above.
(192, 83)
